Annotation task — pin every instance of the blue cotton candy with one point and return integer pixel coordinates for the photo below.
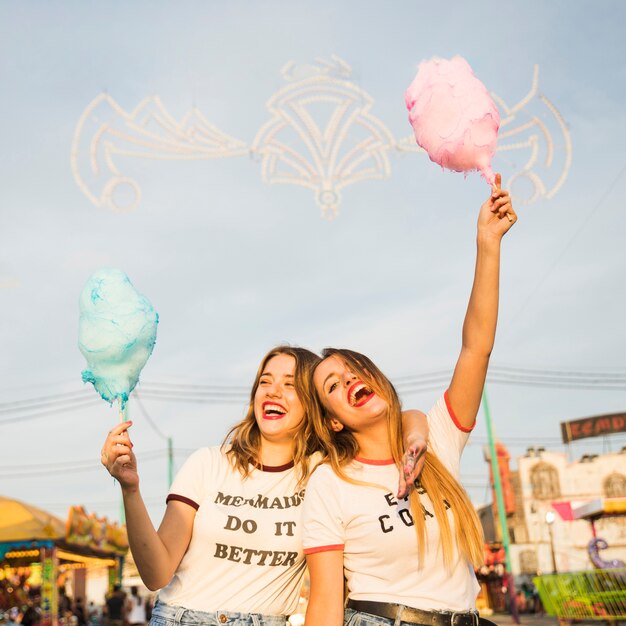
(117, 331)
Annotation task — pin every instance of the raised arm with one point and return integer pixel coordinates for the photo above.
(479, 328)
(157, 554)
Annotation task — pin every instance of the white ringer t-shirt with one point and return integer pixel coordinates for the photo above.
(245, 552)
(377, 534)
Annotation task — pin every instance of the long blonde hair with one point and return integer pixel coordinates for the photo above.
(242, 444)
(444, 490)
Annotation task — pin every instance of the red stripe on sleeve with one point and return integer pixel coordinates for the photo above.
(177, 498)
(455, 419)
(339, 546)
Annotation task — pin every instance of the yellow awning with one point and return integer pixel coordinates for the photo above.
(22, 522)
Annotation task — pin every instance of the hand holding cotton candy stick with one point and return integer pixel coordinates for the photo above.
(118, 457)
(496, 215)
(117, 332)
(454, 118)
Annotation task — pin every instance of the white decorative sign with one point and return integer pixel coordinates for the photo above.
(321, 135)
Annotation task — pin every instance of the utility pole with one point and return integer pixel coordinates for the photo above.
(504, 529)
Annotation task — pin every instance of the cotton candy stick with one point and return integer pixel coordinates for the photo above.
(123, 410)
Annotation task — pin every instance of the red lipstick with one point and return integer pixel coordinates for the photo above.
(275, 409)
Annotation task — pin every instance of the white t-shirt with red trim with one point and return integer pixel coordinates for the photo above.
(376, 531)
(245, 552)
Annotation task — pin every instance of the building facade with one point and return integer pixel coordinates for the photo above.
(546, 486)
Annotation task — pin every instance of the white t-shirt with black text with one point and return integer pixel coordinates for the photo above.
(245, 552)
(377, 534)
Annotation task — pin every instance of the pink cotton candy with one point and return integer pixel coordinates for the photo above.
(453, 116)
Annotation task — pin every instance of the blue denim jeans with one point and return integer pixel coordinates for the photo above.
(166, 615)
(357, 618)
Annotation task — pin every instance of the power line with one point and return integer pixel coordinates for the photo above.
(69, 407)
(58, 403)
(88, 466)
(63, 465)
(530, 378)
(42, 406)
(71, 464)
(148, 418)
(147, 391)
(51, 400)
(559, 371)
(240, 392)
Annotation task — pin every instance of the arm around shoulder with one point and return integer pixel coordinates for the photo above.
(415, 437)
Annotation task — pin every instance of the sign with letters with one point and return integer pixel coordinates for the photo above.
(593, 427)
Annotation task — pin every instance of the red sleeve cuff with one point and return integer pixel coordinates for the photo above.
(338, 546)
(189, 501)
(455, 419)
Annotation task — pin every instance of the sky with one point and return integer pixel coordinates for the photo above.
(235, 265)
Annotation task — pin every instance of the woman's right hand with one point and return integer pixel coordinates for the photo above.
(118, 457)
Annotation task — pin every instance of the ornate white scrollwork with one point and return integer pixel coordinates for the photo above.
(534, 138)
(106, 131)
(321, 135)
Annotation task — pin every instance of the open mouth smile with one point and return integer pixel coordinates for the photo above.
(359, 394)
(273, 411)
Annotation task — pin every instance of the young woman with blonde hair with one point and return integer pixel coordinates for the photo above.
(229, 548)
(405, 560)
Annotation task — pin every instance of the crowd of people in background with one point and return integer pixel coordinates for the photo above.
(122, 609)
(119, 608)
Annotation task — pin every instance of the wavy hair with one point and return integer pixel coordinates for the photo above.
(445, 492)
(242, 444)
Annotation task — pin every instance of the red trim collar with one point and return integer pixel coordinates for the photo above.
(274, 468)
(360, 459)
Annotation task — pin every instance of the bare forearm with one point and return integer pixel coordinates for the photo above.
(325, 606)
(479, 327)
(320, 613)
(149, 552)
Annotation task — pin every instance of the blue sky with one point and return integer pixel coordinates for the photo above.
(235, 265)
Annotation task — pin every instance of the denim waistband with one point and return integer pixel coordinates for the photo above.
(178, 615)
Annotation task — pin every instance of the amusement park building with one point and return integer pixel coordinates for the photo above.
(545, 487)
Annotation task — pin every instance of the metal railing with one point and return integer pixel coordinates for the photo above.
(590, 595)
